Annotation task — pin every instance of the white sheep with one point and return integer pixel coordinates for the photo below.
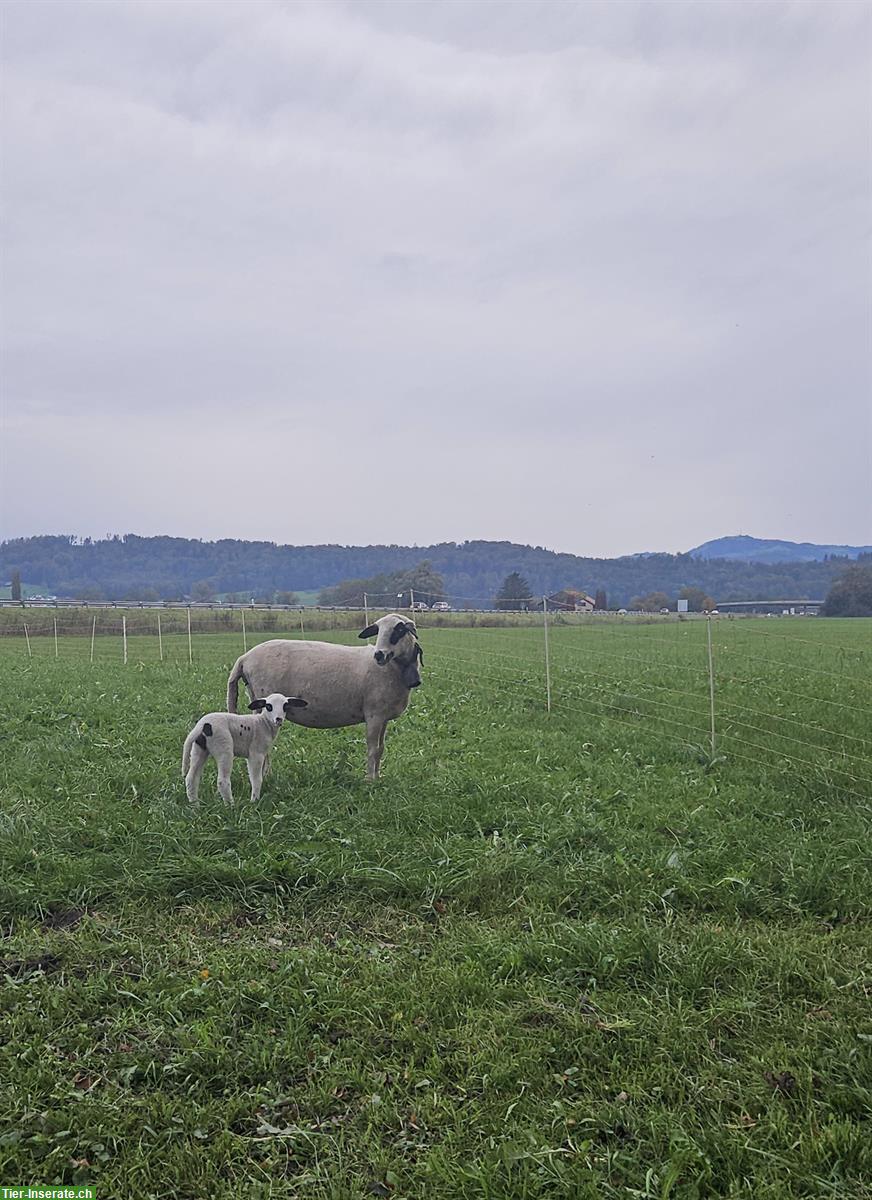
(345, 685)
(225, 736)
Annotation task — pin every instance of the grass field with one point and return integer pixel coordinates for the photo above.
(549, 955)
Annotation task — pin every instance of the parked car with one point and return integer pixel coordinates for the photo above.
(664, 612)
(419, 606)
(441, 606)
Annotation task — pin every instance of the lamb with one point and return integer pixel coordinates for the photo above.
(345, 685)
(225, 736)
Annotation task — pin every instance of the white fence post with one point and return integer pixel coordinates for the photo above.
(244, 641)
(547, 653)
(93, 635)
(365, 610)
(302, 630)
(190, 644)
(708, 626)
(56, 636)
(124, 635)
(27, 638)
(159, 638)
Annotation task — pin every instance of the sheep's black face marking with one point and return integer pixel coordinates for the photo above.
(398, 632)
(411, 674)
(269, 708)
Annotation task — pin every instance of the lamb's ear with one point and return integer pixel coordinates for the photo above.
(370, 631)
(295, 702)
(257, 705)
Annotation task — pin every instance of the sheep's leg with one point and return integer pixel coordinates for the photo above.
(256, 763)
(375, 743)
(195, 770)
(225, 766)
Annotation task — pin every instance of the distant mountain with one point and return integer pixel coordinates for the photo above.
(743, 548)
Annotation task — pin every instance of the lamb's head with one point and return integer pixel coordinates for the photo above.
(276, 707)
(396, 637)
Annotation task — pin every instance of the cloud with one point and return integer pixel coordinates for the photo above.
(565, 249)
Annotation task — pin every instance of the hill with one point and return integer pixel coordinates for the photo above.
(133, 567)
(743, 548)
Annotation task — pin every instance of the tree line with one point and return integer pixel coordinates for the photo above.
(471, 574)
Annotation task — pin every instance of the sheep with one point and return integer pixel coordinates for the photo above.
(225, 736)
(345, 685)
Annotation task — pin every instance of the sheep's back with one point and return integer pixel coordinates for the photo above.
(338, 682)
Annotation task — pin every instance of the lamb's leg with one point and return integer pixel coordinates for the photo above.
(375, 741)
(255, 774)
(195, 770)
(225, 766)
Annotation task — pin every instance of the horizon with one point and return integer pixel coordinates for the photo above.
(81, 539)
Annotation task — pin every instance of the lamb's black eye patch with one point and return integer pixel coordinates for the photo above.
(269, 708)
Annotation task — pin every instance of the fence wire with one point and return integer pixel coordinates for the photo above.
(773, 711)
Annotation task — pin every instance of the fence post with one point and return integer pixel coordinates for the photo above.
(27, 639)
(56, 636)
(244, 641)
(412, 599)
(365, 610)
(547, 653)
(93, 635)
(708, 626)
(190, 646)
(159, 638)
(124, 635)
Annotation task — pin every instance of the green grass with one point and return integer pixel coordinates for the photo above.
(565, 955)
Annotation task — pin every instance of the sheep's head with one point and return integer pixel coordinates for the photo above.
(277, 707)
(395, 637)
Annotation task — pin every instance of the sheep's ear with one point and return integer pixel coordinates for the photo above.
(295, 702)
(370, 631)
(257, 705)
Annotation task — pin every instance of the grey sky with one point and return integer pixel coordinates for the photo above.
(592, 276)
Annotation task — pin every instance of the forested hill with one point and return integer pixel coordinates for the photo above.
(743, 548)
(133, 567)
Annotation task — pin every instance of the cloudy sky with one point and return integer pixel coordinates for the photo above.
(591, 276)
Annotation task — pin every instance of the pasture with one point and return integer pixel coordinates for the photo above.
(565, 954)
